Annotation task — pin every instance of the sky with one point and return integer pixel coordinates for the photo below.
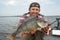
(19, 7)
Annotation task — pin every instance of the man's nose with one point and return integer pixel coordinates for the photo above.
(35, 11)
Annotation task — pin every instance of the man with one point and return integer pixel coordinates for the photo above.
(34, 10)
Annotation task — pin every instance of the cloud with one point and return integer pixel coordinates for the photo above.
(41, 1)
(9, 2)
(24, 2)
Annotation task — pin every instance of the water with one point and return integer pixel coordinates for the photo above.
(8, 25)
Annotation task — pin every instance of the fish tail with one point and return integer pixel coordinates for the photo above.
(10, 36)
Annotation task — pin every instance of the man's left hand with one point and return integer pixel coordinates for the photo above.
(32, 31)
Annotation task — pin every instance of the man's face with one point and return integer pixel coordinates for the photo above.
(34, 11)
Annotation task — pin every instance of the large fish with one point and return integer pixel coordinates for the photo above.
(31, 23)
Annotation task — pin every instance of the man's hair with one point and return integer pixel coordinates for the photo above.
(34, 4)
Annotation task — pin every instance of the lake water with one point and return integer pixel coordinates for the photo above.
(8, 25)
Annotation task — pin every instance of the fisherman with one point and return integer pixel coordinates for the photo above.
(34, 10)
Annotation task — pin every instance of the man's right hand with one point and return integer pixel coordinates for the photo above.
(27, 32)
(22, 33)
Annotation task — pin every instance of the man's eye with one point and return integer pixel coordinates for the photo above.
(33, 9)
(36, 9)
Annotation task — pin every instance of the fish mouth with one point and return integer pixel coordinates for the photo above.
(42, 24)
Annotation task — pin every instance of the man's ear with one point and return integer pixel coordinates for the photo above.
(29, 9)
(39, 10)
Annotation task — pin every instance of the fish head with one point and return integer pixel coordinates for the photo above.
(41, 23)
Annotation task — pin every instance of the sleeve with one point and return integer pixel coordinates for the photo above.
(22, 18)
(42, 17)
(20, 21)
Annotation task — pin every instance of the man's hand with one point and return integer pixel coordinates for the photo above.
(22, 33)
(32, 31)
(27, 32)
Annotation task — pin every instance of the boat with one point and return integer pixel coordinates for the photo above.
(56, 30)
